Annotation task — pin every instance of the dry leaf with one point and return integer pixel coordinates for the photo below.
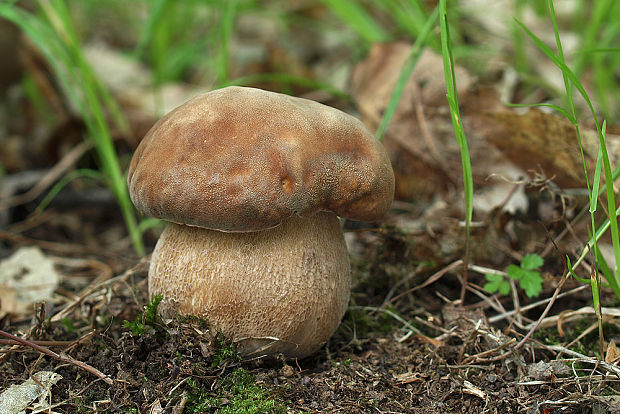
(428, 340)
(505, 144)
(534, 141)
(156, 407)
(545, 371)
(17, 398)
(613, 353)
(26, 277)
(420, 138)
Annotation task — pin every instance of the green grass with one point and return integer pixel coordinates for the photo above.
(411, 17)
(56, 188)
(405, 73)
(51, 30)
(183, 37)
(357, 17)
(571, 81)
(459, 131)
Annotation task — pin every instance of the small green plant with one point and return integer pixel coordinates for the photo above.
(527, 274)
(68, 325)
(146, 319)
(224, 350)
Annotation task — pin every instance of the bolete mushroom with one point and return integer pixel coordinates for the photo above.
(252, 183)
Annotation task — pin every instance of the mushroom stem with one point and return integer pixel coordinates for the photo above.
(282, 290)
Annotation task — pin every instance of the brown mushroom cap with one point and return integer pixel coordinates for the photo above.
(244, 159)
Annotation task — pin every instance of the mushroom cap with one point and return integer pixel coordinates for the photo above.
(244, 159)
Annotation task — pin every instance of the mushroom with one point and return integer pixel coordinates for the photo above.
(252, 183)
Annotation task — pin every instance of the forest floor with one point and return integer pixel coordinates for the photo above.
(402, 347)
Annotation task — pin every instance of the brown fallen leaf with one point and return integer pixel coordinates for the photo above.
(535, 141)
(505, 144)
(26, 277)
(420, 146)
(613, 353)
(420, 140)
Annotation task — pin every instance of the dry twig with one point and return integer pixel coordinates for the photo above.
(94, 288)
(533, 305)
(586, 310)
(432, 279)
(544, 313)
(61, 357)
(52, 175)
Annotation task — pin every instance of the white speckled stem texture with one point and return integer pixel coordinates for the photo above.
(282, 290)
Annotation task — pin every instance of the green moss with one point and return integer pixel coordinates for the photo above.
(68, 325)
(223, 351)
(237, 393)
(192, 320)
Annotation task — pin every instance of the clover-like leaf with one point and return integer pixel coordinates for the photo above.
(496, 283)
(515, 272)
(531, 283)
(531, 261)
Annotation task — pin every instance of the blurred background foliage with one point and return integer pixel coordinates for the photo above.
(103, 71)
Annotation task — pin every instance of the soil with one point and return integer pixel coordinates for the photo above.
(405, 353)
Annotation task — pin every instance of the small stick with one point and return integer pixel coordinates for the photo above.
(544, 313)
(93, 288)
(533, 305)
(478, 357)
(61, 357)
(583, 358)
(41, 343)
(517, 307)
(432, 279)
(63, 248)
(52, 175)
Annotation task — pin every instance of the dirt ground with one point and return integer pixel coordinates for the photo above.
(408, 353)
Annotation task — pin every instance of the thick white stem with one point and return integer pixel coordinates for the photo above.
(282, 290)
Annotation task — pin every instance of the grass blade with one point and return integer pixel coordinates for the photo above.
(226, 27)
(56, 39)
(452, 96)
(354, 15)
(571, 80)
(53, 192)
(405, 73)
